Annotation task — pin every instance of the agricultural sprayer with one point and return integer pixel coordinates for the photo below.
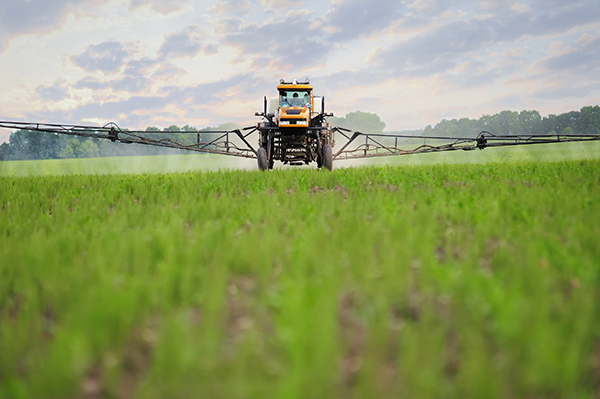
(297, 133)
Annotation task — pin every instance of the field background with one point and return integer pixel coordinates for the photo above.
(467, 274)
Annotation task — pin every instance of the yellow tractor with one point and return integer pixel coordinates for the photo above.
(297, 133)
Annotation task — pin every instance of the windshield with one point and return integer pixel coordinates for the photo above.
(290, 98)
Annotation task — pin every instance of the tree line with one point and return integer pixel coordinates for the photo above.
(585, 121)
(25, 144)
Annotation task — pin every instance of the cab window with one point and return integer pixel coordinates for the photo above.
(293, 98)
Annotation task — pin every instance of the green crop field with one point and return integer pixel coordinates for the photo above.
(473, 275)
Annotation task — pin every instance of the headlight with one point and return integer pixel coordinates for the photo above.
(284, 123)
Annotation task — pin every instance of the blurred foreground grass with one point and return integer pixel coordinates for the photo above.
(419, 281)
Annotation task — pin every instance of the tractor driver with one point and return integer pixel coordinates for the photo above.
(306, 102)
(295, 101)
(286, 101)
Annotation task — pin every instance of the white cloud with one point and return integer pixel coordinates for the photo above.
(234, 7)
(54, 93)
(281, 4)
(160, 6)
(185, 43)
(107, 57)
(520, 8)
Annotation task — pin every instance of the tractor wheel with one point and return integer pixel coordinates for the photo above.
(271, 157)
(328, 156)
(319, 157)
(263, 162)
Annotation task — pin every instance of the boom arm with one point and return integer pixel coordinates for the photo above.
(368, 145)
(226, 142)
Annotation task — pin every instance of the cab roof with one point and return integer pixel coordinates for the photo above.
(291, 86)
(294, 85)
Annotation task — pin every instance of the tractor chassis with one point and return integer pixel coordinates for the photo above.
(293, 146)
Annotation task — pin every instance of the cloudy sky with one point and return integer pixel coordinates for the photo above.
(164, 62)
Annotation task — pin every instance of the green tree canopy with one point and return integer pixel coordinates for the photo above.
(76, 148)
(365, 122)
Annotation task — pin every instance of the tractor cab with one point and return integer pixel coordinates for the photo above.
(296, 102)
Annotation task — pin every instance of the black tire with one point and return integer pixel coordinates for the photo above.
(328, 156)
(263, 162)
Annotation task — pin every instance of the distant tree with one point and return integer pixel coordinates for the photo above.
(5, 152)
(558, 123)
(503, 123)
(509, 123)
(489, 123)
(365, 122)
(20, 143)
(467, 128)
(456, 128)
(589, 120)
(70, 150)
(531, 122)
(188, 128)
(88, 149)
(75, 148)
